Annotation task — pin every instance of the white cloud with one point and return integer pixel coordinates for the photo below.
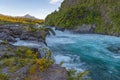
(55, 1)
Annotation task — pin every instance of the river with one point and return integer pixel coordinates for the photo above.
(99, 54)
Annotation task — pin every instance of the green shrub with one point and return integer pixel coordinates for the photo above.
(73, 75)
(4, 77)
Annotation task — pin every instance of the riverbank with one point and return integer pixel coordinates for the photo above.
(87, 16)
(30, 60)
(85, 29)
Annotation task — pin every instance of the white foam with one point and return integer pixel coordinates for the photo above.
(68, 62)
(116, 56)
(61, 58)
(59, 41)
(28, 44)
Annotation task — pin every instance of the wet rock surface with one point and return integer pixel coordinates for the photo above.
(10, 33)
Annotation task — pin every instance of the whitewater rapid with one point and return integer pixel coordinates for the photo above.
(100, 54)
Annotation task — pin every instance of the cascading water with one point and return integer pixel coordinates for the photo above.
(42, 48)
(100, 54)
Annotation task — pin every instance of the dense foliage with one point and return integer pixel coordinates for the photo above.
(105, 14)
(24, 57)
(18, 20)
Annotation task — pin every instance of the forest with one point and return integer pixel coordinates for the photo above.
(105, 14)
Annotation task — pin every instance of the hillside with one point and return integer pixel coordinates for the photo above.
(4, 19)
(104, 14)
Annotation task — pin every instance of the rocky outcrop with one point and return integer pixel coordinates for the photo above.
(54, 72)
(7, 37)
(16, 61)
(84, 29)
(13, 63)
(10, 33)
(36, 36)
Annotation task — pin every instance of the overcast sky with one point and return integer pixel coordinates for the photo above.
(37, 8)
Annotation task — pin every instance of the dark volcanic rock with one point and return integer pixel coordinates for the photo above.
(10, 33)
(85, 29)
(7, 37)
(36, 36)
(59, 28)
(54, 72)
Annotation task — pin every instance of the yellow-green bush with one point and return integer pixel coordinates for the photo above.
(73, 75)
(26, 57)
(4, 77)
(9, 62)
(43, 63)
(33, 69)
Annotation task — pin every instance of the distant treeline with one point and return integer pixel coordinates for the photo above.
(19, 20)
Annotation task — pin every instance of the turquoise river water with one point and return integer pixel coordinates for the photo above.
(99, 54)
